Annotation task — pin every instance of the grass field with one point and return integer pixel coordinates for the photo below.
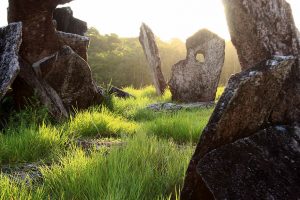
(150, 163)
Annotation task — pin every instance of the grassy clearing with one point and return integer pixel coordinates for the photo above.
(145, 169)
(150, 166)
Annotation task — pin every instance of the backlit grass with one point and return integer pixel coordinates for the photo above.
(182, 126)
(100, 122)
(150, 165)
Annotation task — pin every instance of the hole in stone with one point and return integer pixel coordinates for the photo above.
(200, 58)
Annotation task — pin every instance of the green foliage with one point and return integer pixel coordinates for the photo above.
(30, 144)
(182, 126)
(134, 108)
(146, 168)
(122, 60)
(150, 165)
(27, 138)
(101, 122)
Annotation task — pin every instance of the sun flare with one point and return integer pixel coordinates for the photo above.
(168, 19)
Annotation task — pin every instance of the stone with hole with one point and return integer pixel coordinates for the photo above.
(196, 78)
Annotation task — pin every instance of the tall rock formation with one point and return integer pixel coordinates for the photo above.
(43, 44)
(260, 29)
(265, 97)
(148, 43)
(197, 81)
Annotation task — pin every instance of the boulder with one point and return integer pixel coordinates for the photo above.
(78, 43)
(70, 76)
(253, 99)
(260, 29)
(64, 80)
(150, 48)
(28, 84)
(65, 21)
(10, 41)
(265, 165)
(195, 80)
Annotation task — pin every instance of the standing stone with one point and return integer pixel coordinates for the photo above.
(253, 100)
(65, 21)
(265, 165)
(10, 41)
(148, 43)
(197, 81)
(260, 29)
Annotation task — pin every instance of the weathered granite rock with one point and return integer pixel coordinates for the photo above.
(28, 85)
(78, 43)
(10, 41)
(260, 29)
(176, 107)
(41, 42)
(195, 81)
(70, 76)
(148, 43)
(65, 21)
(39, 34)
(254, 99)
(265, 165)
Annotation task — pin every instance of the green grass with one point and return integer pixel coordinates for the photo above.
(31, 144)
(100, 122)
(151, 164)
(145, 169)
(182, 126)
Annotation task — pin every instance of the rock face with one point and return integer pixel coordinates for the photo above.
(28, 84)
(254, 99)
(10, 41)
(39, 35)
(65, 21)
(148, 43)
(78, 43)
(265, 165)
(193, 80)
(259, 100)
(261, 29)
(70, 76)
(53, 62)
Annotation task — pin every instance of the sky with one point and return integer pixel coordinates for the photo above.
(167, 18)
